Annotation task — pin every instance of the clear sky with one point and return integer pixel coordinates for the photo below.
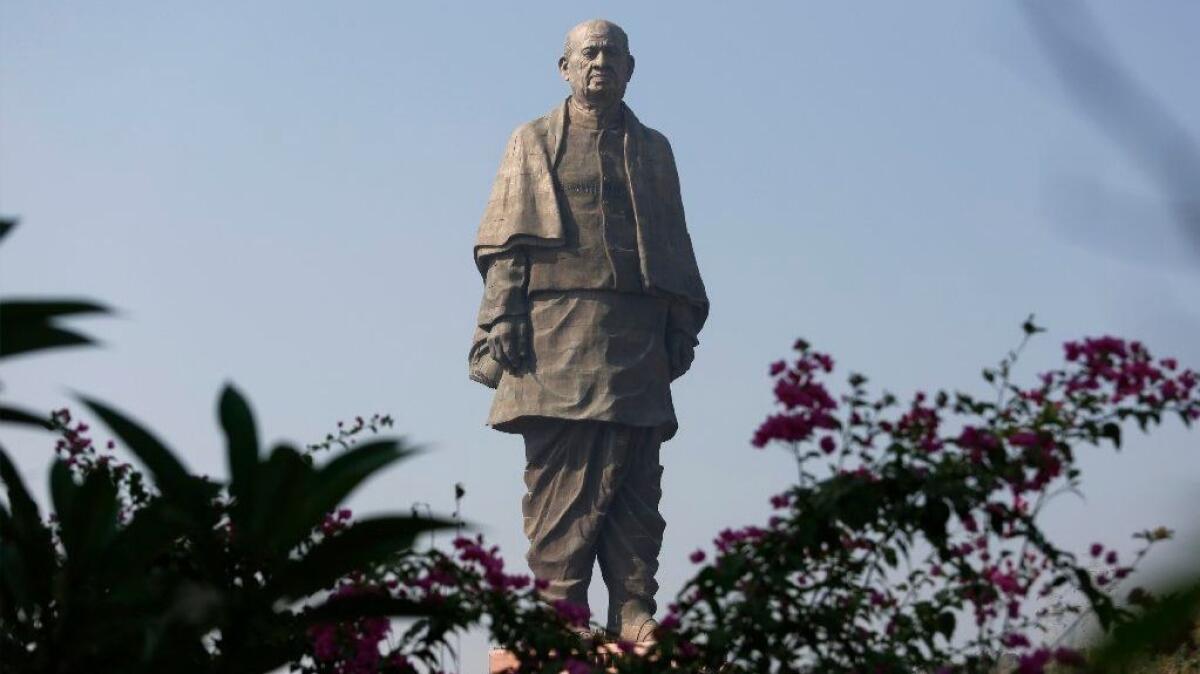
(284, 195)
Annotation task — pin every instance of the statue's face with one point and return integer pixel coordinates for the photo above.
(598, 65)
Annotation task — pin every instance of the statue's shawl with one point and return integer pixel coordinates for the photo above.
(523, 208)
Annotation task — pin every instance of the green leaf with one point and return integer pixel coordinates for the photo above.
(946, 624)
(281, 485)
(152, 532)
(347, 608)
(337, 479)
(241, 439)
(63, 490)
(933, 521)
(6, 226)
(363, 543)
(1029, 328)
(87, 515)
(93, 522)
(1112, 431)
(28, 559)
(29, 325)
(1163, 627)
(169, 474)
(13, 415)
(24, 509)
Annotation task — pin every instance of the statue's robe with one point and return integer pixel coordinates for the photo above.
(597, 301)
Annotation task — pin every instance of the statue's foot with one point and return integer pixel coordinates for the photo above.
(639, 632)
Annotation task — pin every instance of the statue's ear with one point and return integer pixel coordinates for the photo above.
(562, 67)
(631, 64)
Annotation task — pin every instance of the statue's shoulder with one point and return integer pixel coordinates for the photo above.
(538, 131)
(657, 140)
(653, 140)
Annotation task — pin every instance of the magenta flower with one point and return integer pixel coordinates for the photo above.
(572, 614)
(574, 666)
(828, 444)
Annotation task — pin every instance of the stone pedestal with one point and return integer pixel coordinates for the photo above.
(501, 661)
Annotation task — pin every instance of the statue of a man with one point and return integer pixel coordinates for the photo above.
(591, 307)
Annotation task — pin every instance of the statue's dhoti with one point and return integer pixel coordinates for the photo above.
(593, 490)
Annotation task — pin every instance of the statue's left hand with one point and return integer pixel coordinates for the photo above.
(509, 342)
(681, 352)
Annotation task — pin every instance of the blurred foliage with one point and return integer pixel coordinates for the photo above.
(205, 576)
(1164, 639)
(28, 326)
(196, 576)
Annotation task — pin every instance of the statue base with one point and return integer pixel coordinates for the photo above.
(501, 661)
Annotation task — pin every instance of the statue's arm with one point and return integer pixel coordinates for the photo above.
(503, 329)
(682, 321)
(505, 287)
(682, 329)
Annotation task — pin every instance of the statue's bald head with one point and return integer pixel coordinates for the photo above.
(597, 27)
(597, 63)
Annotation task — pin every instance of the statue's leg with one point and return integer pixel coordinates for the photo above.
(631, 537)
(572, 471)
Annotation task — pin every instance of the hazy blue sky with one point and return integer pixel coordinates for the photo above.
(284, 195)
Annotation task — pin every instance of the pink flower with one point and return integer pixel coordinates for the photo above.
(974, 439)
(1072, 351)
(574, 666)
(572, 614)
(1004, 582)
(1024, 439)
(1070, 657)
(324, 641)
(785, 427)
(1034, 663)
(1015, 641)
(828, 444)
(1096, 549)
(697, 556)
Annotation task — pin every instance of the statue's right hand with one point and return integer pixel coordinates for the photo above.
(508, 341)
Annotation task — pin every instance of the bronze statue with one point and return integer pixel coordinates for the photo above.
(591, 307)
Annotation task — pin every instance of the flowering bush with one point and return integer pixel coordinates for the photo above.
(191, 575)
(917, 548)
(909, 543)
(465, 587)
